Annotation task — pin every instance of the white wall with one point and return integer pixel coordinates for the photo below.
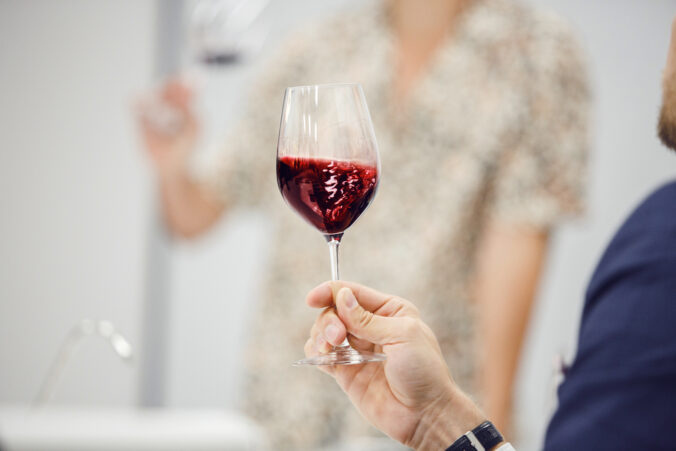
(74, 190)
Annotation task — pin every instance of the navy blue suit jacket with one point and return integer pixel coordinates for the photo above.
(620, 391)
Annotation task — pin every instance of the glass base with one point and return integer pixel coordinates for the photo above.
(342, 355)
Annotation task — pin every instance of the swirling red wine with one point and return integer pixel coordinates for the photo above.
(329, 194)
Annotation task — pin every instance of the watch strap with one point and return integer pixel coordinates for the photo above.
(481, 438)
(487, 434)
(462, 444)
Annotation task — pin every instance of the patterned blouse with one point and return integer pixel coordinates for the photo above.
(496, 129)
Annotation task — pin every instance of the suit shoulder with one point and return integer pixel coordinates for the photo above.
(664, 195)
(657, 211)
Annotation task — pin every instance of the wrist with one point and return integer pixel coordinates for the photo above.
(443, 422)
(173, 174)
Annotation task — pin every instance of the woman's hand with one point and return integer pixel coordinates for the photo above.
(169, 127)
(411, 396)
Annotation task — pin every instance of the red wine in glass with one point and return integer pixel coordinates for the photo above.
(329, 194)
(327, 171)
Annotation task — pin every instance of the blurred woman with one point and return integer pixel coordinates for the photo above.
(480, 110)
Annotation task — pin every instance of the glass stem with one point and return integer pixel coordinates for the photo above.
(334, 243)
(333, 255)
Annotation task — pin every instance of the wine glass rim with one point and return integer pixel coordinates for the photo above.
(325, 85)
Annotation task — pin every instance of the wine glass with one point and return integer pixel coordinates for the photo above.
(328, 171)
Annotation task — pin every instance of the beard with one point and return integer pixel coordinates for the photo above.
(666, 127)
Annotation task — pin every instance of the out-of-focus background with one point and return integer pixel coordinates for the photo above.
(79, 235)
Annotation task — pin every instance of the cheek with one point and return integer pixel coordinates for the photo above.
(670, 69)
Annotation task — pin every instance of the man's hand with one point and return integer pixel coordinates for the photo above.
(411, 397)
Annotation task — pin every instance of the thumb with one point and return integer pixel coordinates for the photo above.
(366, 325)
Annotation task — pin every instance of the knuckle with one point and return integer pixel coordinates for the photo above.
(410, 306)
(410, 327)
(365, 319)
(327, 316)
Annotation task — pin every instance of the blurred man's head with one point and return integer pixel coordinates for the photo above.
(667, 125)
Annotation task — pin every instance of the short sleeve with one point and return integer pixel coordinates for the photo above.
(542, 177)
(242, 173)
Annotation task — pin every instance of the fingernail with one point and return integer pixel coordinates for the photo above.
(331, 332)
(350, 300)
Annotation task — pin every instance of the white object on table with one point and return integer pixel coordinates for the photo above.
(91, 428)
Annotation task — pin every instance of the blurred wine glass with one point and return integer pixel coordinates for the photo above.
(220, 33)
(85, 328)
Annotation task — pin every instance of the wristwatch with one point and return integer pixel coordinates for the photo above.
(481, 438)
